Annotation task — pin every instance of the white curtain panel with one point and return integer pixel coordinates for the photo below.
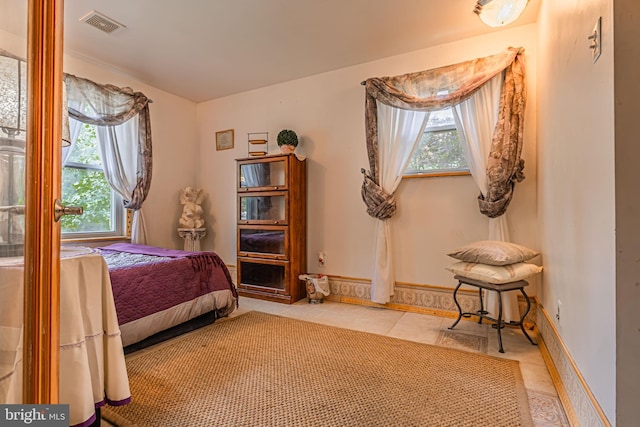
(75, 127)
(398, 134)
(119, 154)
(138, 227)
(476, 119)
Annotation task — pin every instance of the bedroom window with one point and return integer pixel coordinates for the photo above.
(84, 184)
(439, 151)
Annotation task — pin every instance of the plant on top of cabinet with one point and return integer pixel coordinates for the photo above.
(287, 141)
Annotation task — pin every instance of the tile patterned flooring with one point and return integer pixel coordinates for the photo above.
(544, 403)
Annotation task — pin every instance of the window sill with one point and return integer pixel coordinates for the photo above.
(438, 174)
(96, 239)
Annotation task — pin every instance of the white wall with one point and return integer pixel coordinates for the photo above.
(175, 145)
(576, 187)
(327, 111)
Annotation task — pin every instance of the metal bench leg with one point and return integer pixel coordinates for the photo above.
(499, 325)
(482, 311)
(526, 297)
(455, 300)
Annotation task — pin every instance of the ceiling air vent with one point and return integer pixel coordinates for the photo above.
(101, 22)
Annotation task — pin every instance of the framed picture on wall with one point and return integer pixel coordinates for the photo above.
(224, 139)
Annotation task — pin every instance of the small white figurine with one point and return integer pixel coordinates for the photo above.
(191, 198)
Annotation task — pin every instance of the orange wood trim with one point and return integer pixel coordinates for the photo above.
(98, 239)
(42, 234)
(433, 175)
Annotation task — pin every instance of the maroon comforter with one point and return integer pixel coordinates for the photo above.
(157, 278)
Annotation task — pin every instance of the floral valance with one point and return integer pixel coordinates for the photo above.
(104, 105)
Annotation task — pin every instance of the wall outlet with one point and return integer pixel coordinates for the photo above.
(558, 305)
(322, 259)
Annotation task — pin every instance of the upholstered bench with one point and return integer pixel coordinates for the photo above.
(483, 314)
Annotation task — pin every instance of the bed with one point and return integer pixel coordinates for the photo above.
(155, 289)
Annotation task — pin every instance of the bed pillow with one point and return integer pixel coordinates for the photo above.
(493, 252)
(495, 273)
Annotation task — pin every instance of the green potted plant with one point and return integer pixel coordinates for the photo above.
(287, 141)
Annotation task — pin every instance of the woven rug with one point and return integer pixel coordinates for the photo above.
(264, 370)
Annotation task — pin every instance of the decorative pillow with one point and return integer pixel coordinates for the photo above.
(495, 273)
(493, 252)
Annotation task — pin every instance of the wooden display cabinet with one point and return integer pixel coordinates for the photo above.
(272, 227)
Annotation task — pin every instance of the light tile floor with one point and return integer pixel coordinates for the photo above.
(545, 406)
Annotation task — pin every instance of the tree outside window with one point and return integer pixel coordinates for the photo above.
(84, 184)
(439, 151)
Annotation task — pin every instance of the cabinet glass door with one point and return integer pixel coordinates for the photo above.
(269, 174)
(262, 241)
(270, 276)
(263, 208)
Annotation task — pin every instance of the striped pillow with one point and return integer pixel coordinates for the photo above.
(495, 273)
(493, 252)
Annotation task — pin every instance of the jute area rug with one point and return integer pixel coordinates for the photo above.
(264, 370)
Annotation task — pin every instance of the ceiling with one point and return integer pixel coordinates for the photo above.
(206, 49)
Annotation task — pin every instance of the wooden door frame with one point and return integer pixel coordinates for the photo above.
(42, 234)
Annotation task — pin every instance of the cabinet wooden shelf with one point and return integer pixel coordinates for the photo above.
(272, 227)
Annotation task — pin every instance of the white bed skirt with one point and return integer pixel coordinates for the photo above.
(139, 329)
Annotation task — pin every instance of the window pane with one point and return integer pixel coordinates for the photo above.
(85, 150)
(87, 188)
(441, 118)
(438, 151)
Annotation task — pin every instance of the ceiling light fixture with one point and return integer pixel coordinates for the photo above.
(498, 13)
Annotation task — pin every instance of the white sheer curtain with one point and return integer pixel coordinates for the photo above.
(75, 127)
(118, 148)
(476, 118)
(119, 154)
(398, 134)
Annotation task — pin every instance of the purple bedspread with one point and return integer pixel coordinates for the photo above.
(169, 277)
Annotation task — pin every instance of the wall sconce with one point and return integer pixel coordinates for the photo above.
(13, 99)
(498, 13)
